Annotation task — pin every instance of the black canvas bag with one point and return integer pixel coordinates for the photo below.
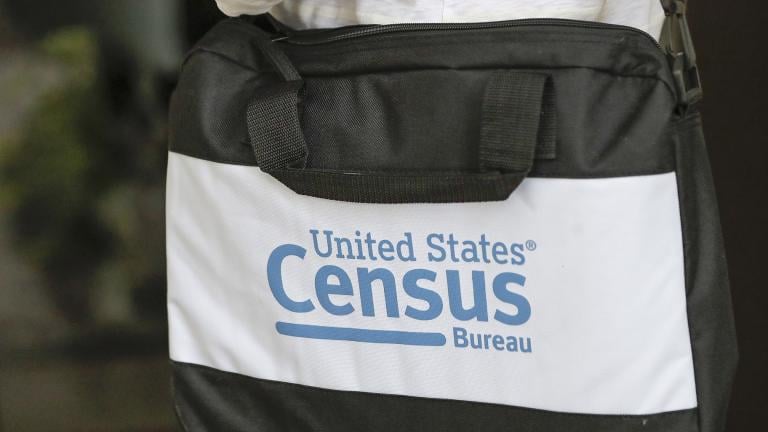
(445, 227)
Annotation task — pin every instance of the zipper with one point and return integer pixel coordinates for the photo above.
(319, 37)
(682, 58)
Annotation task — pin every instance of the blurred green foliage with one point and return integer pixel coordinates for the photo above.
(80, 182)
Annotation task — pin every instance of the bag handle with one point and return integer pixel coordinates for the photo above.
(518, 125)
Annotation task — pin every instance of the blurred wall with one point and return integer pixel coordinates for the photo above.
(84, 87)
(730, 44)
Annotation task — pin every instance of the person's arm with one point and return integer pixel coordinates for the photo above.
(246, 7)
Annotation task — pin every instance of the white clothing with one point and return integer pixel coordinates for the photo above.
(646, 15)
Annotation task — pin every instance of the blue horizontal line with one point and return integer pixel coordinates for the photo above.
(360, 335)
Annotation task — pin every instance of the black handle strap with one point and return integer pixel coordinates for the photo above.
(518, 125)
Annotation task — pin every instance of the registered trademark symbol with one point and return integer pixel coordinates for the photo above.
(531, 245)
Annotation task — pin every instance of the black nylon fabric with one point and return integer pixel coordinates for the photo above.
(514, 112)
(618, 80)
(710, 313)
(211, 400)
(274, 114)
(518, 122)
(386, 188)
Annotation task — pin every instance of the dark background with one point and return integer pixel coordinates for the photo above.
(730, 39)
(84, 87)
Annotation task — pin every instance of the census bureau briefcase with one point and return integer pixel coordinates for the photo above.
(464, 227)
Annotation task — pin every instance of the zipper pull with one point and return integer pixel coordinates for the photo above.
(278, 37)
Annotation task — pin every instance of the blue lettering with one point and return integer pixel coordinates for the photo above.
(366, 278)
(275, 277)
(316, 242)
(460, 337)
(341, 244)
(405, 248)
(518, 257)
(436, 247)
(521, 303)
(325, 289)
(411, 287)
(480, 308)
(386, 249)
(500, 253)
(498, 342)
